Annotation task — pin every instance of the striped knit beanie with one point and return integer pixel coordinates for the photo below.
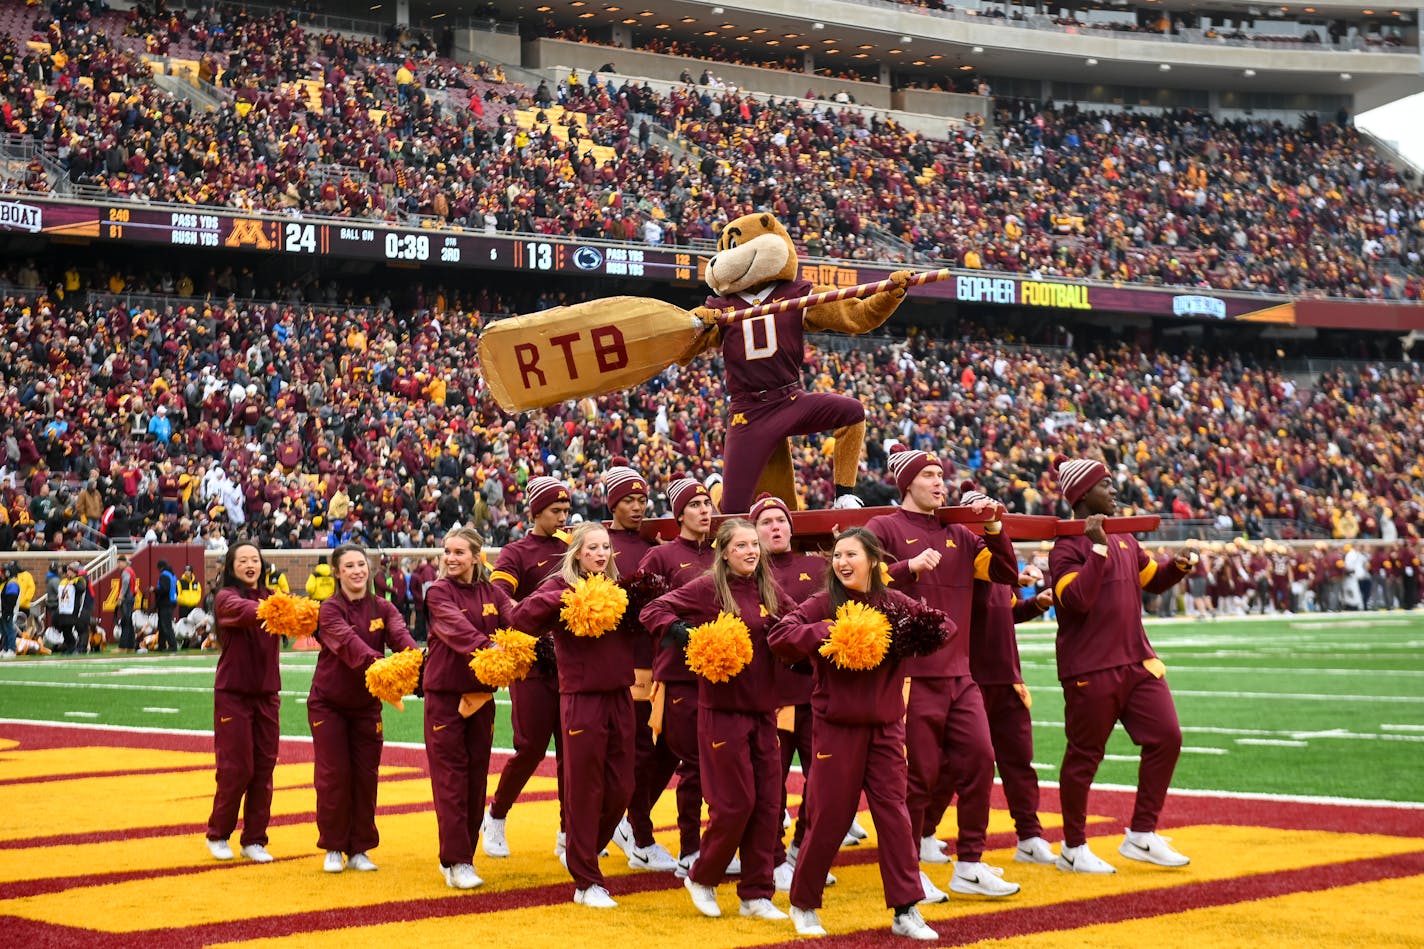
(622, 481)
(542, 491)
(765, 502)
(969, 493)
(905, 463)
(1076, 476)
(682, 491)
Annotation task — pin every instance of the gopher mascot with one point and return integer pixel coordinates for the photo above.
(756, 263)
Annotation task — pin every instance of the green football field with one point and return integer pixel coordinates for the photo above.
(1323, 705)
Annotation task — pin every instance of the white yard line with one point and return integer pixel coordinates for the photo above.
(1301, 696)
(160, 710)
(1402, 728)
(1203, 750)
(82, 714)
(1273, 742)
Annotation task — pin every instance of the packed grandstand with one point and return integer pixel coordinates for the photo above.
(192, 397)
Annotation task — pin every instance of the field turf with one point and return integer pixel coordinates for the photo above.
(1328, 706)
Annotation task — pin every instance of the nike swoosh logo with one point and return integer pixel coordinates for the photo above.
(913, 540)
(675, 701)
(684, 565)
(822, 757)
(1140, 847)
(718, 744)
(224, 721)
(318, 724)
(576, 731)
(541, 563)
(1083, 683)
(436, 728)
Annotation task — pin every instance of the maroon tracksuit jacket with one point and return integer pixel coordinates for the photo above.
(860, 737)
(345, 718)
(629, 549)
(246, 731)
(595, 674)
(763, 356)
(1102, 648)
(739, 761)
(945, 718)
(522, 566)
(462, 617)
(678, 561)
(799, 576)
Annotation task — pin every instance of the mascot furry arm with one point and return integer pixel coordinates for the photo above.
(756, 260)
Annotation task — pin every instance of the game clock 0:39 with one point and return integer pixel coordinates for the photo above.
(407, 246)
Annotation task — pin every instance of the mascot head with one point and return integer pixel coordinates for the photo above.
(753, 251)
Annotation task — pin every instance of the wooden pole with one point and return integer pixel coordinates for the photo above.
(729, 316)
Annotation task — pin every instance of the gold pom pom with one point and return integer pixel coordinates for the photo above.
(394, 677)
(719, 650)
(859, 637)
(287, 615)
(593, 606)
(507, 660)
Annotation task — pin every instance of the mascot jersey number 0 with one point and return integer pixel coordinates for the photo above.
(756, 263)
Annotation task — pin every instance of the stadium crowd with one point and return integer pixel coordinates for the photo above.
(378, 129)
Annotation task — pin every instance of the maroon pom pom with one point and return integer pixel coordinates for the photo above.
(915, 629)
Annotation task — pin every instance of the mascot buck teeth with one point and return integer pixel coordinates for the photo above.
(756, 263)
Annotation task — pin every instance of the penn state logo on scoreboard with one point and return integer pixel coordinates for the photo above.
(588, 258)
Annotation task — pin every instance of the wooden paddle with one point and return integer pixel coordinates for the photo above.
(569, 352)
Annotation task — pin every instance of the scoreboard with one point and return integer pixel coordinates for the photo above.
(371, 241)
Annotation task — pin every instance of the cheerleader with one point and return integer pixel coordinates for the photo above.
(738, 753)
(594, 652)
(859, 724)
(355, 629)
(464, 609)
(246, 730)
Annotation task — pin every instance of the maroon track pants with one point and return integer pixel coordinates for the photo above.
(598, 770)
(793, 743)
(346, 745)
(458, 752)
(246, 733)
(853, 758)
(741, 770)
(536, 720)
(1093, 703)
(1011, 729)
(757, 428)
(652, 759)
(676, 754)
(947, 738)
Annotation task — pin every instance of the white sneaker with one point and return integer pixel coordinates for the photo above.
(761, 909)
(807, 923)
(1081, 860)
(704, 898)
(1034, 850)
(933, 894)
(912, 925)
(334, 862)
(362, 863)
(684, 864)
(461, 876)
(561, 844)
(1151, 848)
(847, 502)
(595, 897)
(792, 852)
(857, 831)
(930, 852)
(979, 879)
(734, 867)
(256, 853)
(850, 840)
(492, 837)
(220, 849)
(652, 857)
(623, 837)
(781, 877)
(785, 821)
